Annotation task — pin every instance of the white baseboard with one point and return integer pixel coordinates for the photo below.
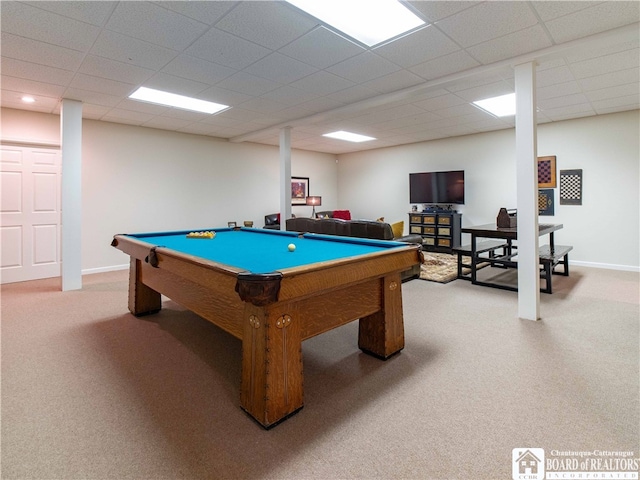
(113, 268)
(608, 266)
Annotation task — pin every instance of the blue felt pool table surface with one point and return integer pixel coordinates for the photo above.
(265, 251)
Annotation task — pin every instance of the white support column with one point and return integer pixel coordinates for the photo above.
(285, 176)
(71, 146)
(527, 196)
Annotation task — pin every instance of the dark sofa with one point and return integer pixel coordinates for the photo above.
(353, 228)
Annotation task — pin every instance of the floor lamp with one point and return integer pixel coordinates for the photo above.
(315, 201)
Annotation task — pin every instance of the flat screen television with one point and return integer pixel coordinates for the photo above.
(437, 187)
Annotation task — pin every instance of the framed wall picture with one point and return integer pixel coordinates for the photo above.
(299, 190)
(547, 172)
(571, 187)
(545, 201)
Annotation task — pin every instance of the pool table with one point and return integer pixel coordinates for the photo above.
(248, 282)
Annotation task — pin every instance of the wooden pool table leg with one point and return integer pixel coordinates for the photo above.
(382, 334)
(271, 387)
(143, 300)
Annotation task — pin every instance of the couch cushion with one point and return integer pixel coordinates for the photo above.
(371, 229)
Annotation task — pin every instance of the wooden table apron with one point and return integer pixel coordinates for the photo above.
(509, 234)
(311, 300)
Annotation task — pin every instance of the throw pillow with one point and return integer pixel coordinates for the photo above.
(342, 214)
(397, 229)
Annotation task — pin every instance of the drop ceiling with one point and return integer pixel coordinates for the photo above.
(278, 67)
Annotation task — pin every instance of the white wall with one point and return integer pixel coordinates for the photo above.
(140, 179)
(604, 230)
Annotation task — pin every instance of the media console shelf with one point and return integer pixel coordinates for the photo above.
(440, 230)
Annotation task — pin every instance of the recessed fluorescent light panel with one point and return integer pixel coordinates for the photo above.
(368, 21)
(502, 106)
(159, 97)
(348, 136)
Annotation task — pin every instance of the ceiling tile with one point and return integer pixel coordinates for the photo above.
(130, 18)
(27, 21)
(95, 13)
(445, 65)
(32, 87)
(363, 67)
(280, 68)
(197, 69)
(570, 111)
(425, 44)
(102, 85)
(550, 10)
(321, 48)
(224, 95)
(612, 79)
(512, 45)
(487, 21)
(41, 53)
(353, 94)
(288, 95)
(610, 63)
(97, 98)
(394, 81)
(34, 71)
(173, 84)
(271, 24)
(488, 90)
(630, 90)
(566, 100)
(207, 12)
(226, 49)
(437, 10)
(244, 82)
(114, 70)
(129, 50)
(558, 90)
(322, 83)
(438, 103)
(597, 18)
(554, 76)
(630, 101)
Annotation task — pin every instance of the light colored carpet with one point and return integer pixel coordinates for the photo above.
(90, 392)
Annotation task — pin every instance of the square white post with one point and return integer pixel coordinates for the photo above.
(285, 176)
(527, 196)
(71, 146)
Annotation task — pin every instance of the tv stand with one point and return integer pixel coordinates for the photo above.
(440, 230)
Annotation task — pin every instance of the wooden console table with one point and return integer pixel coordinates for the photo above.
(550, 255)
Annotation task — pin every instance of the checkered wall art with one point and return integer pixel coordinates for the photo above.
(546, 201)
(547, 172)
(571, 187)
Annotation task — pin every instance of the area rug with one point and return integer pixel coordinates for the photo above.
(440, 267)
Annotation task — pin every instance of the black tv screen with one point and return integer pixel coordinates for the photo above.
(437, 187)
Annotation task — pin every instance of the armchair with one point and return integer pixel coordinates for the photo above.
(272, 221)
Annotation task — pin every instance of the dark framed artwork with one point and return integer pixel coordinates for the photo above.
(545, 201)
(547, 172)
(571, 187)
(299, 190)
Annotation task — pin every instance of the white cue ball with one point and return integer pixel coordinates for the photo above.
(291, 247)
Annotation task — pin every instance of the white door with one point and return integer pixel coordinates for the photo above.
(29, 213)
